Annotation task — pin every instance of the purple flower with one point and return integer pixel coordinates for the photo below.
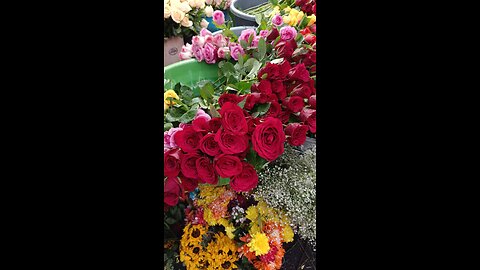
(277, 20)
(245, 35)
(209, 53)
(197, 52)
(218, 17)
(287, 33)
(236, 50)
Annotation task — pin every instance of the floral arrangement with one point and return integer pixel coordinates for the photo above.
(184, 17)
(235, 190)
(219, 4)
(289, 185)
(227, 230)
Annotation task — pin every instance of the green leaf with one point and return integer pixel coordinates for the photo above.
(254, 70)
(228, 68)
(170, 220)
(188, 116)
(168, 126)
(240, 61)
(223, 181)
(207, 90)
(242, 103)
(213, 111)
(262, 48)
(170, 118)
(177, 87)
(262, 108)
(244, 44)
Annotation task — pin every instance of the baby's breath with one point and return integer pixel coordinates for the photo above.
(289, 184)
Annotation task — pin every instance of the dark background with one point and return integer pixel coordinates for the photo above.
(84, 135)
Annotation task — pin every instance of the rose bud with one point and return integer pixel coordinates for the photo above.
(312, 101)
(296, 134)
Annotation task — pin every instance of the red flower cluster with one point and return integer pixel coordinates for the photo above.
(307, 6)
(209, 148)
(291, 93)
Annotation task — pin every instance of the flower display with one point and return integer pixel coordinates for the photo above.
(238, 183)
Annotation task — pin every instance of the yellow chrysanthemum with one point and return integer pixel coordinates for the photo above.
(294, 12)
(259, 244)
(287, 233)
(170, 94)
(208, 194)
(229, 230)
(251, 213)
(254, 229)
(312, 20)
(287, 9)
(209, 218)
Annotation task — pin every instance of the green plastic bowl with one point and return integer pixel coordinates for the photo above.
(189, 72)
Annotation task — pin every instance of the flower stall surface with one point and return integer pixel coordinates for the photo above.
(237, 192)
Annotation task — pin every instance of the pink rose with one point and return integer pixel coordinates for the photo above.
(202, 114)
(208, 39)
(219, 40)
(218, 17)
(209, 53)
(186, 52)
(197, 52)
(204, 32)
(245, 35)
(277, 20)
(208, 2)
(235, 51)
(255, 41)
(223, 53)
(198, 40)
(263, 33)
(287, 33)
(170, 136)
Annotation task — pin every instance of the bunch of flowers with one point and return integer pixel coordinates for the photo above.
(307, 6)
(184, 17)
(219, 4)
(237, 231)
(289, 184)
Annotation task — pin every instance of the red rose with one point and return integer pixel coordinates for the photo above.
(270, 69)
(294, 103)
(252, 123)
(305, 31)
(205, 170)
(215, 123)
(279, 89)
(246, 180)
(312, 101)
(209, 146)
(233, 119)
(296, 134)
(171, 161)
(284, 69)
(273, 35)
(268, 139)
(227, 165)
(302, 90)
(172, 191)
(264, 87)
(309, 116)
(252, 99)
(310, 39)
(285, 48)
(274, 109)
(230, 143)
(299, 73)
(200, 124)
(188, 166)
(188, 139)
(313, 28)
(226, 97)
(188, 184)
(284, 116)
